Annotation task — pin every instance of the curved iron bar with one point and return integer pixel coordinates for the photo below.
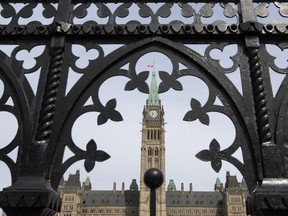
(260, 124)
(200, 69)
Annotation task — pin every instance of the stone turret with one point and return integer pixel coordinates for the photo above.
(133, 185)
(171, 186)
(87, 184)
(218, 186)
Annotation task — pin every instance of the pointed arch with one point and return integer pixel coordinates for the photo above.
(22, 112)
(156, 151)
(150, 151)
(121, 56)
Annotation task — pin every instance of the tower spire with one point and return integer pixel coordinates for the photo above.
(152, 148)
(153, 98)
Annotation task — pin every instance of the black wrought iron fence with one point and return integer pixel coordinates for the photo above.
(45, 116)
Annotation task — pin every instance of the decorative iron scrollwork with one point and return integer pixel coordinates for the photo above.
(46, 110)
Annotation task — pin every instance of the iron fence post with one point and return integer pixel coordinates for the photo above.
(270, 195)
(153, 178)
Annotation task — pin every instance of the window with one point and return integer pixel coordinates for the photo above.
(149, 151)
(156, 151)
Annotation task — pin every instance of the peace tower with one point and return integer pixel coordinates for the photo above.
(152, 149)
(82, 200)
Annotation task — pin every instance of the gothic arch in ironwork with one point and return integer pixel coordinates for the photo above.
(45, 115)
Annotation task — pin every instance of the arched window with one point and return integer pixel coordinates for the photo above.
(150, 151)
(148, 134)
(156, 151)
(155, 134)
(158, 134)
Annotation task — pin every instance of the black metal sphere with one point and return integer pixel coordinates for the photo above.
(153, 178)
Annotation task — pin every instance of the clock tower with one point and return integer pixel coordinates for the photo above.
(152, 150)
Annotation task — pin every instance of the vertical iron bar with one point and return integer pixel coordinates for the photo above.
(152, 202)
(270, 193)
(271, 160)
(247, 11)
(58, 43)
(153, 178)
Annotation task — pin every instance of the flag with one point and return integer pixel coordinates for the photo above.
(150, 65)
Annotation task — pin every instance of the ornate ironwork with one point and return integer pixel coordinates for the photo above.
(45, 115)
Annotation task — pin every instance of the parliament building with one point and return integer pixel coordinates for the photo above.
(79, 199)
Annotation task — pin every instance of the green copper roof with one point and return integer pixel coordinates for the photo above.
(153, 99)
(134, 185)
(218, 182)
(171, 185)
(87, 181)
(218, 185)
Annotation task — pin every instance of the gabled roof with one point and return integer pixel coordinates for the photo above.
(131, 198)
(110, 198)
(196, 199)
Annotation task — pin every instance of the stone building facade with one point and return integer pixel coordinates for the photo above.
(80, 199)
(152, 150)
(225, 200)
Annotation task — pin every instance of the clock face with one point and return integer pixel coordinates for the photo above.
(153, 114)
